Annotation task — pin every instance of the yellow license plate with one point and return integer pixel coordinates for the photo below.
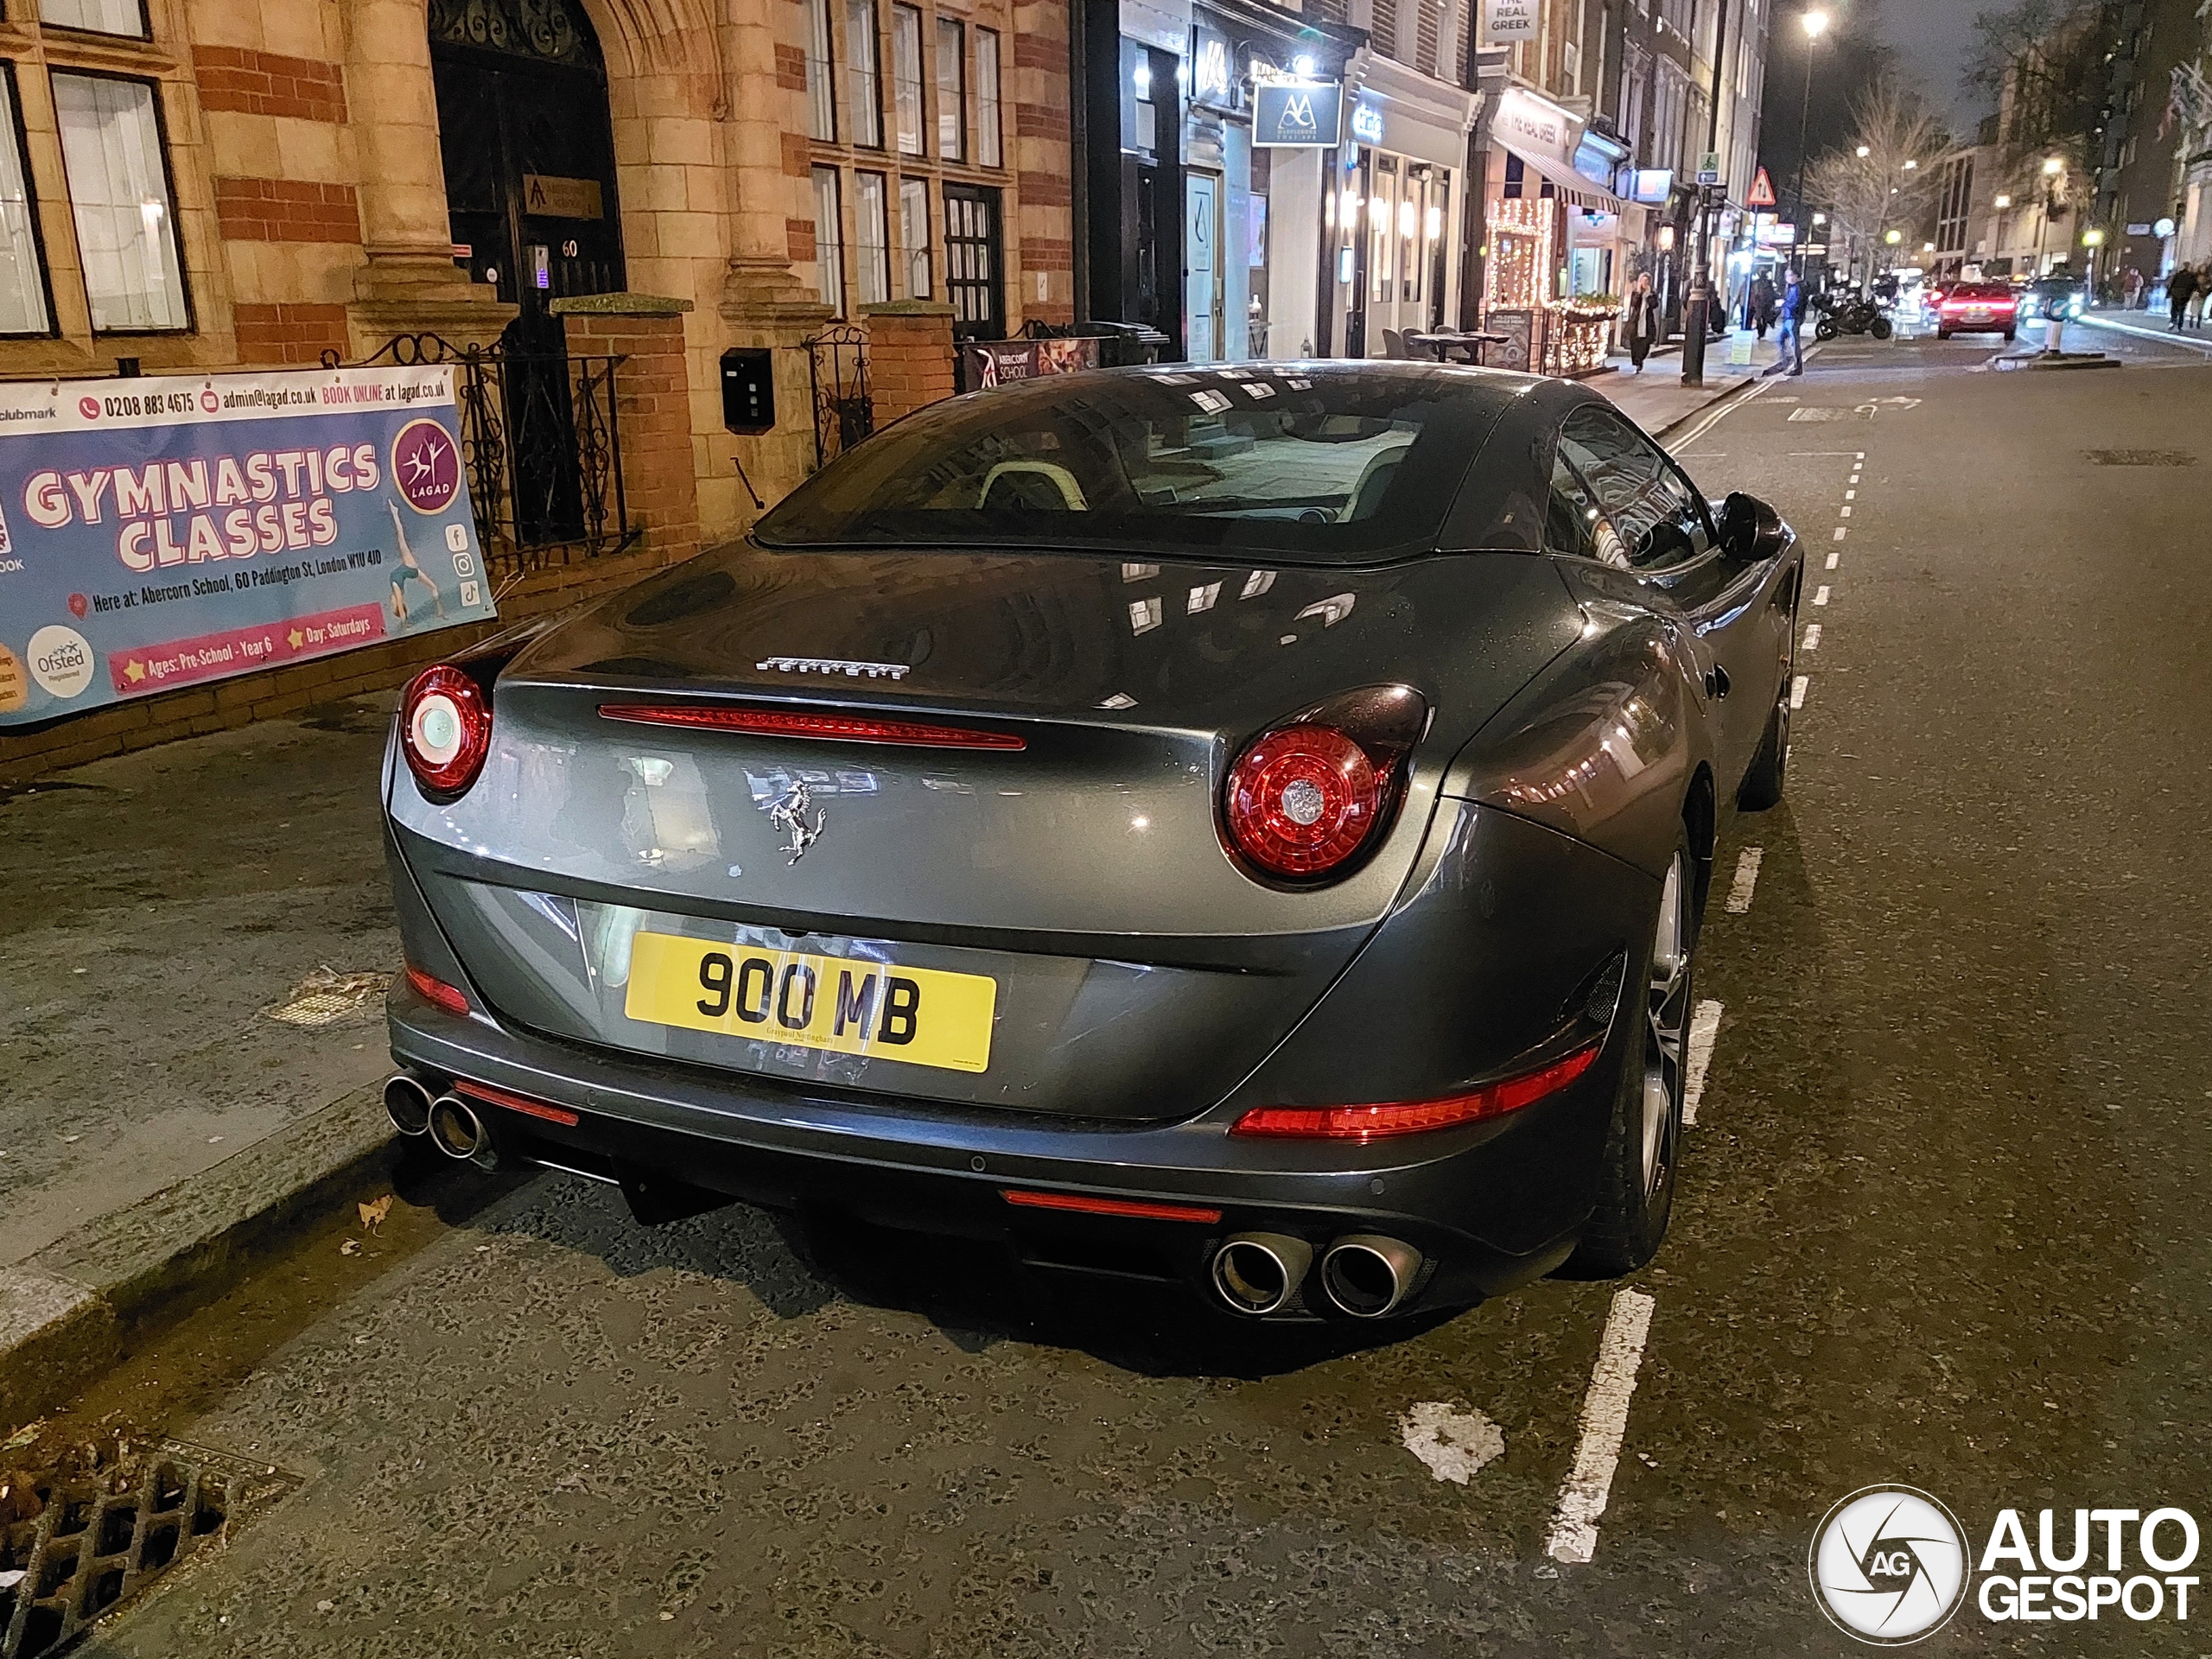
(919, 1015)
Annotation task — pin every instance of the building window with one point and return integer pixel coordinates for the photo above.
(829, 239)
(990, 142)
(821, 75)
(23, 308)
(951, 90)
(971, 262)
(906, 77)
(866, 79)
(914, 235)
(871, 238)
(99, 16)
(120, 191)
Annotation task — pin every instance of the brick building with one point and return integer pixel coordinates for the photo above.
(218, 184)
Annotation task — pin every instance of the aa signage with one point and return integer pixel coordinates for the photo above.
(1293, 113)
(174, 530)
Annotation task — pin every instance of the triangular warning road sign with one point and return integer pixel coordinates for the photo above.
(1762, 193)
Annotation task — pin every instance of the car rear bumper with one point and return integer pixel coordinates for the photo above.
(1488, 1207)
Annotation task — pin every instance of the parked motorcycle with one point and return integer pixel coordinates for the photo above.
(1858, 316)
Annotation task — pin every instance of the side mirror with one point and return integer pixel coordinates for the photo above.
(1750, 530)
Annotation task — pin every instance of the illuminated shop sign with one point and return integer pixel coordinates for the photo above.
(1367, 123)
(1213, 80)
(1297, 113)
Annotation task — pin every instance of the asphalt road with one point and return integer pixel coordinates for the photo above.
(1941, 1220)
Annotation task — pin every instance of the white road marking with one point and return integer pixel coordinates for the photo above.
(1833, 559)
(1704, 1026)
(1858, 455)
(1454, 1444)
(1573, 1536)
(1845, 512)
(1797, 688)
(1820, 594)
(1812, 637)
(1851, 495)
(1839, 532)
(1747, 877)
(1716, 417)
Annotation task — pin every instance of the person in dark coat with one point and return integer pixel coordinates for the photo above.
(2179, 287)
(1762, 303)
(1642, 322)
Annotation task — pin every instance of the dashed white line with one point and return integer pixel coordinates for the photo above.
(1833, 559)
(1839, 532)
(1812, 637)
(1820, 594)
(1573, 1535)
(1747, 877)
(1797, 688)
(1851, 495)
(1704, 1026)
(1845, 511)
(1858, 455)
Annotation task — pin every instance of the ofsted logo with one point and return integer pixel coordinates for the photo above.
(1890, 1565)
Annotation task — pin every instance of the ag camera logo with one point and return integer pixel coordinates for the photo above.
(1889, 1565)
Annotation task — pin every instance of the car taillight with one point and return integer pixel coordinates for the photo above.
(431, 988)
(1309, 791)
(445, 728)
(1416, 1116)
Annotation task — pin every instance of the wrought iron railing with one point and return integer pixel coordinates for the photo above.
(844, 408)
(540, 443)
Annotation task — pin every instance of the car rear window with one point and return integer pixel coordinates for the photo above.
(1303, 462)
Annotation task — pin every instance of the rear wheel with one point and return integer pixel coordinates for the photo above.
(1824, 329)
(2011, 334)
(1880, 327)
(1763, 783)
(1942, 333)
(1636, 1182)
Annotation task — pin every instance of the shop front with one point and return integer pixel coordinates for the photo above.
(1552, 229)
(1394, 218)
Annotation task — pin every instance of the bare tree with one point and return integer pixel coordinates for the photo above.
(2041, 63)
(1883, 175)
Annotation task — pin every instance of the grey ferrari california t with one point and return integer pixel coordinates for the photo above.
(1242, 826)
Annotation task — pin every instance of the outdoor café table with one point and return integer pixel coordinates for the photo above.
(1444, 341)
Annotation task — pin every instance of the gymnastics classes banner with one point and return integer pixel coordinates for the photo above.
(169, 531)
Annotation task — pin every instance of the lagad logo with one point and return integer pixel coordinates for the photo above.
(425, 466)
(1890, 1565)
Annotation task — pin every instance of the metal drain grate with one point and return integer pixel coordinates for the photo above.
(75, 1546)
(2141, 457)
(324, 997)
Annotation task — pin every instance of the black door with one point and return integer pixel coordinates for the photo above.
(974, 268)
(529, 154)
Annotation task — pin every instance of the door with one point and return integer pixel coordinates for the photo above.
(1203, 281)
(974, 267)
(529, 156)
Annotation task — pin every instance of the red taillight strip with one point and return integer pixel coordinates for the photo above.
(1416, 1116)
(485, 1091)
(430, 989)
(836, 728)
(1135, 1208)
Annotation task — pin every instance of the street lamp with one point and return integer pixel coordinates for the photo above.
(2053, 167)
(2003, 202)
(1908, 166)
(1864, 152)
(1815, 23)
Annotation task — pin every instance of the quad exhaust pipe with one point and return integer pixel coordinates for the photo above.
(1363, 1275)
(407, 1104)
(458, 1130)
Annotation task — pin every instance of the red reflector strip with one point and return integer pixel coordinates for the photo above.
(1135, 1209)
(786, 722)
(437, 990)
(485, 1091)
(1416, 1116)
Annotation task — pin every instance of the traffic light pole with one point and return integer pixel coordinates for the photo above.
(1701, 264)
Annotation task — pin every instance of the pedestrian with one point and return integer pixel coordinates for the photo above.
(2194, 317)
(1642, 323)
(1790, 348)
(2134, 281)
(2180, 286)
(1762, 303)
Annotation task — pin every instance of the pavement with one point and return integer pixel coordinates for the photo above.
(1940, 1221)
(1656, 399)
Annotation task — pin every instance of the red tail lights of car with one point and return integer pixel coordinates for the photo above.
(433, 989)
(1310, 792)
(522, 1104)
(1417, 1117)
(1082, 1204)
(792, 722)
(445, 728)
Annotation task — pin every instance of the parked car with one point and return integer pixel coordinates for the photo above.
(1242, 826)
(2056, 295)
(1979, 308)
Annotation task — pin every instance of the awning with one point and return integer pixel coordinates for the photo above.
(1570, 186)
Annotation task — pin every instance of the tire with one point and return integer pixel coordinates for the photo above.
(1942, 333)
(1880, 328)
(1763, 783)
(1636, 1177)
(2011, 334)
(1824, 329)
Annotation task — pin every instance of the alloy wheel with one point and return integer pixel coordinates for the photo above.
(1667, 1032)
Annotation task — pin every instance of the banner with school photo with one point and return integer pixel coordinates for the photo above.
(176, 529)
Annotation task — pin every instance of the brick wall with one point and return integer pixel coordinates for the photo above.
(239, 79)
(652, 408)
(289, 334)
(283, 210)
(143, 721)
(909, 355)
